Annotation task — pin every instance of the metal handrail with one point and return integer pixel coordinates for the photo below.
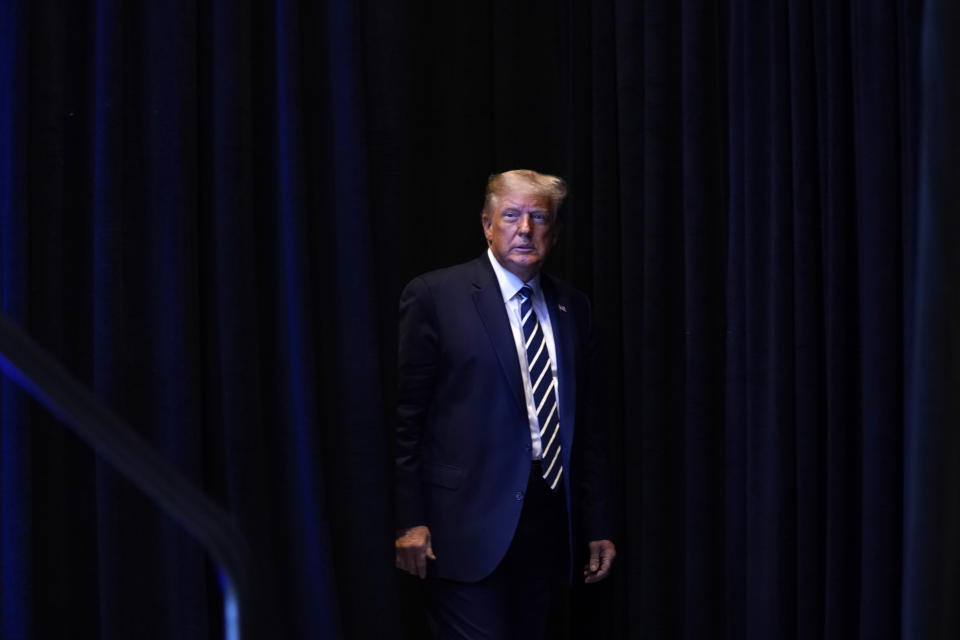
(39, 374)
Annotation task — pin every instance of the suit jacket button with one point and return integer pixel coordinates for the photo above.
(518, 495)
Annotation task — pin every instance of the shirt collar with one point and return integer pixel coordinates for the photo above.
(509, 282)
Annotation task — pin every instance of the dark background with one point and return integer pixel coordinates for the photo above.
(208, 210)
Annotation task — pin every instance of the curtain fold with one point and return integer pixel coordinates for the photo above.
(16, 508)
(931, 524)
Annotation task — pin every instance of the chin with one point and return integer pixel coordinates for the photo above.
(529, 266)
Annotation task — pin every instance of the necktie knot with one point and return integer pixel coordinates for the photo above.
(525, 293)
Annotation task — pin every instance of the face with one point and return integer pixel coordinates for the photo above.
(520, 231)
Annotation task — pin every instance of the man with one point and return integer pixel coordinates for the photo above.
(499, 466)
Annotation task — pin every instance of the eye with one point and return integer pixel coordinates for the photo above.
(510, 214)
(540, 217)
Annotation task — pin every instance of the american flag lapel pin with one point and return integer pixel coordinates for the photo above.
(562, 308)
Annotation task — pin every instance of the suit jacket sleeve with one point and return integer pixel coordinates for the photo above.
(592, 479)
(418, 362)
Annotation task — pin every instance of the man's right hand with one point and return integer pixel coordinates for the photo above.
(413, 550)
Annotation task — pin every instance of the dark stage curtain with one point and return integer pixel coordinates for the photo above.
(208, 210)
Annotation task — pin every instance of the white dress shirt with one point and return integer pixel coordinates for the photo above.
(510, 284)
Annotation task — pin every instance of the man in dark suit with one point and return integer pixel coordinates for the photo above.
(500, 463)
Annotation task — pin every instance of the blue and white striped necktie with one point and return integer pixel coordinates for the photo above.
(544, 388)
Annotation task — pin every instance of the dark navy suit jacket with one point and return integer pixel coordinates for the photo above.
(463, 435)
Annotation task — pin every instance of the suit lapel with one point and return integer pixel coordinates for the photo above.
(564, 331)
(489, 301)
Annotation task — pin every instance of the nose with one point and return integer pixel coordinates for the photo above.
(523, 225)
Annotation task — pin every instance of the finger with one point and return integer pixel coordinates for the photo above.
(430, 553)
(421, 564)
(403, 563)
(594, 560)
(408, 561)
(602, 572)
(596, 576)
(606, 562)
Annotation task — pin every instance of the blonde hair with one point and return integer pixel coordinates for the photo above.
(527, 182)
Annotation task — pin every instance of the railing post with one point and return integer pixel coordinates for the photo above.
(40, 375)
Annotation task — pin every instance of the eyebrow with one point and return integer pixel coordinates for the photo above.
(536, 210)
